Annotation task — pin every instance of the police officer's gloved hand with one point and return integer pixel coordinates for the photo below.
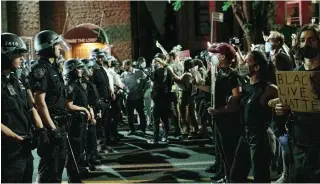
(55, 136)
(30, 142)
(42, 135)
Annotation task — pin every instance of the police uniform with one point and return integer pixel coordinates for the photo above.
(93, 100)
(46, 78)
(77, 92)
(17, 160)
(101, 80)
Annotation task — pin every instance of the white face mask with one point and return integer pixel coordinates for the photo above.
(214, 60)
(244, 70)
(143, 65)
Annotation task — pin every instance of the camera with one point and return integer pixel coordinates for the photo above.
(234, 41)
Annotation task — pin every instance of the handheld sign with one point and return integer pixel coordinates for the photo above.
(299, 90)
(184, 54)
(214, 64)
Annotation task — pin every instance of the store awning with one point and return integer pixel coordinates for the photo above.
(86, 33)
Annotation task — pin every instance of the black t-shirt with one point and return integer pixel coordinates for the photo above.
(227, 79)
(46, 78)
(15, 107)
(257, 117)
(162, 82)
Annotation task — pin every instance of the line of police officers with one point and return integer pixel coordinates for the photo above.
(62, 105)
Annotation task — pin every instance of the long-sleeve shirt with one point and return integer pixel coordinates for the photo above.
(116, 78)
(111, 81)
(135, 84)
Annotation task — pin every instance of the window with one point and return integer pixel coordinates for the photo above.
(292, 9)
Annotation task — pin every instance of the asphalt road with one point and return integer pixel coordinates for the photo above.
(135, 161)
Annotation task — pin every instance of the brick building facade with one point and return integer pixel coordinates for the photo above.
(27, 18)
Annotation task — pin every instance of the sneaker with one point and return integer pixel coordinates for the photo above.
(164, 139)
(152, 142)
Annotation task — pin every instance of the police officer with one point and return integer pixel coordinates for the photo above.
(92, 156)
(17, 115)
(50, 98)
(102, 81)
(82, 113)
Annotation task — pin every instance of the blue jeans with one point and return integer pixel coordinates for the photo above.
(285, 149)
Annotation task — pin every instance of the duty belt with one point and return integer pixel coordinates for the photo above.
(58, 119)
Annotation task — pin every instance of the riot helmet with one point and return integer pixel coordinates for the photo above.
(12, 49)
(72, 69)
(88, 66)
(98, 55)
(49, 44)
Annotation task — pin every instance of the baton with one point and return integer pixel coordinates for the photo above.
(73, 158)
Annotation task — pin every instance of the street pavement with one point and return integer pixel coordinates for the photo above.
(134, 161)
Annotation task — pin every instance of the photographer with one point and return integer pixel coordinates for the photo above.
(17, 116)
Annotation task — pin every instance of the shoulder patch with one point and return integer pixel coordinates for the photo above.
(38, 73)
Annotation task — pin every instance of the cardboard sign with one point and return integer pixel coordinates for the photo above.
(300, 90)
(183, 54)
(217, 17)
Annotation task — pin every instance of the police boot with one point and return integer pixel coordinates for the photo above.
(83, 172)
(94, 161)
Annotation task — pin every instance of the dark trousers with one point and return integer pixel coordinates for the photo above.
(77, 134)
(17, 170)
(260, 151)
(161, 110)
(115, 117)
(102, 123)
(306, 164)
(139, 106)
(91, 146)
(51, 166)
(228, 128)
(218, 152)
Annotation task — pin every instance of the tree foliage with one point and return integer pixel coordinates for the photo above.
(177, 5)
(254, 17)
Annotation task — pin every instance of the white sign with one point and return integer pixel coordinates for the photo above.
(217, 17)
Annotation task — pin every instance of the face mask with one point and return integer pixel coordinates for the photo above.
(309, 52)
(267, 47)
(143, 65)
(214, 60)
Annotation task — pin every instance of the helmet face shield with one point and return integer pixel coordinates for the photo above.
(62, 43)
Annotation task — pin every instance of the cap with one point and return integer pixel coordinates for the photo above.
(224, 49)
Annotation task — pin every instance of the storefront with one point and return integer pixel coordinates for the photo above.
(84, 38)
